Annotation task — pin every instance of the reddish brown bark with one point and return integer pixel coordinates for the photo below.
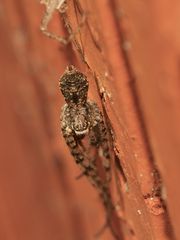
(130, 54)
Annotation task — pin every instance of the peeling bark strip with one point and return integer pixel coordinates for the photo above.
(132, 51)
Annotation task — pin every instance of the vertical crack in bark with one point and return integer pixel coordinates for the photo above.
(157, 189)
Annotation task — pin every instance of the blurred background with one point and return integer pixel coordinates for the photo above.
(132, 51)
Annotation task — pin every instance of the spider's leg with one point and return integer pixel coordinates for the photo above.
(87, 166)
(92, 161)
(51, 7)
(104, 147)
(98, 137)
(61, 6)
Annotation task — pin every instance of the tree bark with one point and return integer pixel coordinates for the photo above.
(129, 52)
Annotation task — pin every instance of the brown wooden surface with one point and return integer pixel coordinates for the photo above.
(129, 51)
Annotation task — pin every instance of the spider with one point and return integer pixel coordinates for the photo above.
(82, 125)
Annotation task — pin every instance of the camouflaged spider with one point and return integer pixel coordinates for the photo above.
(82, 125)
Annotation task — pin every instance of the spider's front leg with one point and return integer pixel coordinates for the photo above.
(98, 137)
(61, 6)
(51, 7)
(72, 143)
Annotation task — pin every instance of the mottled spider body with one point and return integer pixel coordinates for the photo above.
(74, 86)
(81, 119)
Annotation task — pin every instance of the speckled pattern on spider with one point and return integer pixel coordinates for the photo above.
(82, 118)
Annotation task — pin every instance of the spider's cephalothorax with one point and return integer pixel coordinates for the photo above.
(82, 118)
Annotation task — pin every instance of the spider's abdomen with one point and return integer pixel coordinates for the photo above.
(74, 86)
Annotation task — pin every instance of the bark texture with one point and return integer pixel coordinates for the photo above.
(130, 52)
